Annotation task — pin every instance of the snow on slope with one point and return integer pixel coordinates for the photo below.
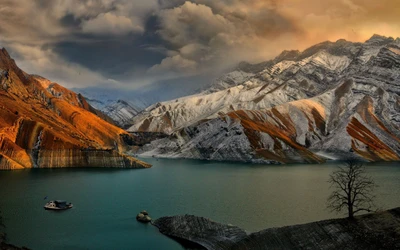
(333, 125)
(322, 59)
(169, 116)
(254, 93)
(333, 102)
(291, 76)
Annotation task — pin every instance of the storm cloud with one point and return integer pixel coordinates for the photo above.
(137, 43)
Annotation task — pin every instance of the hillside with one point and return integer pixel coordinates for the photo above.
(44, 125)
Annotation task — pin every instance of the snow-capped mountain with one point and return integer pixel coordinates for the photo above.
(112, 105)
(122, 105)
(334, 100)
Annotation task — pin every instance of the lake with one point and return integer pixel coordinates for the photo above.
(106, 201)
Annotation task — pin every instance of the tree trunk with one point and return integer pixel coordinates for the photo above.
(351, 212)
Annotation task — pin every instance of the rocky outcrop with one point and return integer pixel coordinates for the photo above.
(209, 234)
(44, 125)
(332, 101)
(86, 158)
(372, 231)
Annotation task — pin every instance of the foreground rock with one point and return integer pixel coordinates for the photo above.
(202, 231)
(143, 217)
(371, 231)
(44, 125)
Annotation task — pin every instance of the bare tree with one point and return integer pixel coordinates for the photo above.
(353, 189)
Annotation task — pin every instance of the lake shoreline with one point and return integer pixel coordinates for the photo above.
(257, 163)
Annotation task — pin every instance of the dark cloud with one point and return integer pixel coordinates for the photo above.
(202, 34)
(134, 43)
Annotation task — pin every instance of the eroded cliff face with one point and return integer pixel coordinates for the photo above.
(44, 125)
(346, 105)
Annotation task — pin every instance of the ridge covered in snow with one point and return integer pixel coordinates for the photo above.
(290, 76)
(333, 100)
(119, 110)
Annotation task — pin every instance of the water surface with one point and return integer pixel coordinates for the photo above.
(106, 201)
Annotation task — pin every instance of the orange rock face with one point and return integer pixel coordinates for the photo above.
(43, 124)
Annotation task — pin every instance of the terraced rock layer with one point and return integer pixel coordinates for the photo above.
(44, 125)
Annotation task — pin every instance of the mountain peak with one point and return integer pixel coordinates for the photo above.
(8, 64)
(5, 60)
(379, 40)
(342, 41)
(377, 36)
(287, 55)
(4, 53)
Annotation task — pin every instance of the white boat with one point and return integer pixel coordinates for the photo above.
(58, 205)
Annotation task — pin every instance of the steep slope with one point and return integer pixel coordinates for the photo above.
(169, 116)
(71, 97)
(44, 125)
(350, 109)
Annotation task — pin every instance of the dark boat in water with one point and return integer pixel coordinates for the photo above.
(58, 205)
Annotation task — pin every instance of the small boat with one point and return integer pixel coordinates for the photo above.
(58, 205)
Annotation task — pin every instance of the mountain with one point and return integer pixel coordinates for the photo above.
(121, 105)
(44, 125)
(334, 100)
(113, 104)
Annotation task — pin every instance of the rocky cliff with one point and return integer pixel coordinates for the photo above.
(334, 100)
(44, 125)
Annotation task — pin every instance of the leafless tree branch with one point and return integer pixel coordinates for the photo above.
(353, 189)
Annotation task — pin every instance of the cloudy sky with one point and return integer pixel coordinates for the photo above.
(136, 43)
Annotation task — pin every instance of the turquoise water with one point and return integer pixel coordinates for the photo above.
(106, 201)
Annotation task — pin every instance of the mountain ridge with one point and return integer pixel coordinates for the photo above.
(334, 100)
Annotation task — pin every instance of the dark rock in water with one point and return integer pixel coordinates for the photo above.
(143, 217)
(370, 232)
(209, 234)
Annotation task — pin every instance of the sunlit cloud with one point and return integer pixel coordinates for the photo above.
(139, 42)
